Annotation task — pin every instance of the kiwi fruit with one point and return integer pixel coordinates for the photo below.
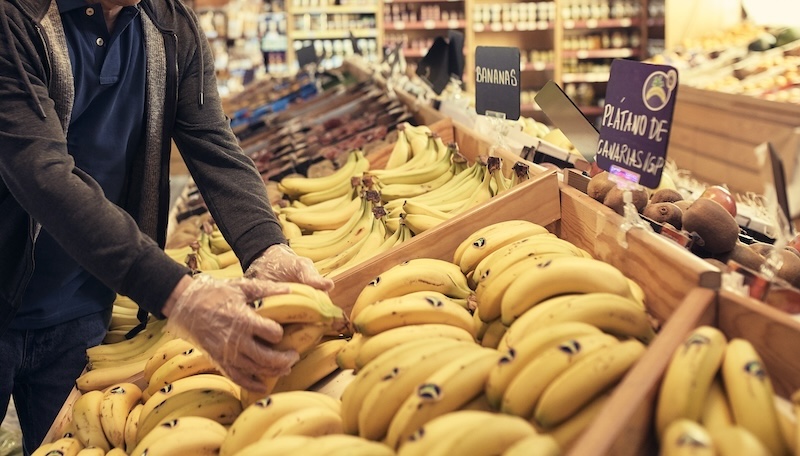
(716, 227)
(761, 248)
(745, 256)
(719, 264)
(614, 200)
(664, 212)
(683, 204)
(599, 186)
(665, 195)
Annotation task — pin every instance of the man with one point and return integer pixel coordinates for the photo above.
(90, 96)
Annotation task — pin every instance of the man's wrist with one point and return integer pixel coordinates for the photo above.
(182, 285)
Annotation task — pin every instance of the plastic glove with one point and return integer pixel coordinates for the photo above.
(280, 263)
(214, 315)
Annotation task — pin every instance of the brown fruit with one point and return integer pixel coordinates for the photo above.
(599, 186)
(790, 270)
(717, 263)
(716, 227)
(746, 256)
(761, 248)
(665, 195)
(614, 200)
(683, 204)
(664, 212)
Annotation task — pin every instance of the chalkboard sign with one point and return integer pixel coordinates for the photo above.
(636, 120)
(497, 81)
(306, 56)
(433, 68)
(455, 39)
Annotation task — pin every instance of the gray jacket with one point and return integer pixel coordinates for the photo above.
(40, 185)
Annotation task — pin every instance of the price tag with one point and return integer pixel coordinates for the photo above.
(497, 81)
(636, 121)
(429, 25)
(306, 56)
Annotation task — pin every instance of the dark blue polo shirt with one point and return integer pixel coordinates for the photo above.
(105, 130)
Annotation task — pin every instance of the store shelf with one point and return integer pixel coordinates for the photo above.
(538, 66)
(336, 9)
(590, 24)
(421, 1)
(585, 77)
(591, 110)
(414, 53)
(513, 27)
(332, 34)
(621, 53)
(656, 22)
(425, 25)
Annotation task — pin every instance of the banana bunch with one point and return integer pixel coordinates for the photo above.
(289, 413)
(326, 445)
(411, 141)
(124, 317)
(310, 191)
(716, 391)
(195, 435)
(191, 361)
(114, 363)
(412, 309)
(426, 369)
(419, 274)
(470, 432)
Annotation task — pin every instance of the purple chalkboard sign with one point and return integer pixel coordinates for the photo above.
(636, 119)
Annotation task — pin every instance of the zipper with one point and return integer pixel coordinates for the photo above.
(46, 53)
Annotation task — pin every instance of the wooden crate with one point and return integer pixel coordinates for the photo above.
(664, 269)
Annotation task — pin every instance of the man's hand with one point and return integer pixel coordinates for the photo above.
(214, 315)
(280, 263)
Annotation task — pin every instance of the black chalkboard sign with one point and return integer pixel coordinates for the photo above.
(497, 81)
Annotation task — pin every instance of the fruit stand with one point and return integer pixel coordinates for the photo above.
(681, 291)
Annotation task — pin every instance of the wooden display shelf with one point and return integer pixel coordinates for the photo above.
(590, 24)
(585, 77)
(614, 53)
(333, 34)
(335, 9)
(425, 25)
(538, 66)
(513, 26)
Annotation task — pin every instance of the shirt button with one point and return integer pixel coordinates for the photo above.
(99, 41)
(90, 11)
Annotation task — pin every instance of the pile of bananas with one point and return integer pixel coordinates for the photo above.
(717, 398)
(355, 213)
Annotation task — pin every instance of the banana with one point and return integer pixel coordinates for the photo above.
(313, 367)
(86, 418)
(434, 431)
(318, 247)
(199, 391)
(187, 441)
(287, 445)
(689, 376)
(320, 208)
(364, 241)
(130, 347)
(167, 429)
(456, 189)
(419, 223)
(494, 436)
(481, 194)
(92, 451)
(401, 152)
(686, 437)
(493, 334)
(525, 389)
(164, 353)
(561, 275)
(310, 220)
(309, 421)
(570, 391)
(527, 349)
(65, 446)
(410, 207)
(750, 394)
(218, 243)
(736, 440)
(412, 309)
(611, 313)
(447, 389)
(421, 141)
(335, 191)
(566, 433)
(789, 418)
(391, 192)
(116, 405)
(296, 186)
(290, 230)
(377, 242)
(716, 413)
(251, 423)
(301, 337)
(534, 445)
(296, 307)
(346, 358)
(393, 381)
(100, 379)
(345, 445)
(116, 452)
(179, 254)
(415, 176)
(191, 362)
(496, 262)
(421, 274)
(132, 426)
(374, 346)
(489, 240)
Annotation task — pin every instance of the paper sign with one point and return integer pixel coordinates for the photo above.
(306, 56)
(497, 81)
(636, 121)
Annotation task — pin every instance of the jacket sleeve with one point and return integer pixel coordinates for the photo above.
(42, 177)
(227, 179)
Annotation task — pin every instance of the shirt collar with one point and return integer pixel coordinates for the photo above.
(69, 5)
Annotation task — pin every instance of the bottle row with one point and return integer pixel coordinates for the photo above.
(495, 13)
(404, 12)
(315, 22)
(606, 40)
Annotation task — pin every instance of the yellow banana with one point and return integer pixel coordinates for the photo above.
(566, 433)
(494, 436)
(374, 346)
(286, 445)
(301, 337)
(716, 413)
(91, 451)
(482, 233)
(447, 389)
(301, 308)
(309, 421)
(750, 394)
(189, 441)
(116, 452)
(561, 275)
(346, 358)
(480, 195)
(318, 247)
(493, 239)
(411, 309)
(419, 223)
(100, 379)
(534, 445)
(66, 446)
(290, 230)
(116, 405)
(313, 367)
(130, 347)
(345, 445)
(689, 376)
(367, 236)
(191, 362)
(436, 430)
(456, 190)
(570, 391)
(251, 423)
(391, 192)
(421, 274)
(736, 440)
(168, 428)
(86, 418)
(523, 351)
(296, 186)
(493, 334)
(525, 389)
(410, 207)
(164, 353)
(132, 426)
(317, 220)
(373, 245)
(686, 437)
(401, 152)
